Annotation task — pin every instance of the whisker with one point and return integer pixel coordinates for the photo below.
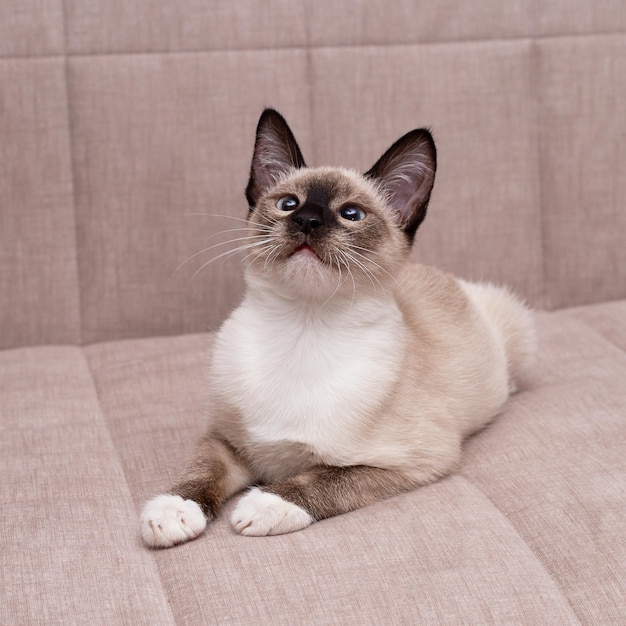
(365, 270)
(231, 230)
(272, 220)
(380, 267)
(257, 254)
(352, 245)
(339, 280)
(341, 254)
(222, 243)
(228, 217)
(272, 255)
(231, 253)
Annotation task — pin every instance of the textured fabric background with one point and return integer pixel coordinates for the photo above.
(126, 131)
(121, 122)
(64, 558)
(39, 287)
(531, 530)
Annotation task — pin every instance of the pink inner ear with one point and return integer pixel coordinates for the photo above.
(407, 172)
(275, 152)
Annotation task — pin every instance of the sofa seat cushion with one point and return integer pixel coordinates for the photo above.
(68, 547)
(530, 530)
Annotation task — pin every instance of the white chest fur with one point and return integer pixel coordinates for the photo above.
(309, 374)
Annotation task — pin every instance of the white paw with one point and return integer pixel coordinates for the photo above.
(260, 513)
(168, 520)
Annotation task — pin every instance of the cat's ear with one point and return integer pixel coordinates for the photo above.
(275, 152)
(407, 173)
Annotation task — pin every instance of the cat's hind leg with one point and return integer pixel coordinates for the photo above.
(214, 474)
(511, 320)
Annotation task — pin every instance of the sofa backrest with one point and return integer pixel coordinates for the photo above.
(121, 122)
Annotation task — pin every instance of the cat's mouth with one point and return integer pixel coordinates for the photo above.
(305, 249)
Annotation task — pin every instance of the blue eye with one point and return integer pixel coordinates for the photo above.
(352, 213)
(287, 203)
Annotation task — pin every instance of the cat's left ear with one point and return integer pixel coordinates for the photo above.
(275, 152)
(407, 173)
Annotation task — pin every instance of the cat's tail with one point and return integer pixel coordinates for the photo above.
(511, 320)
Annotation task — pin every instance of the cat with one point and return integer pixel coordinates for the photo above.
(347, 375)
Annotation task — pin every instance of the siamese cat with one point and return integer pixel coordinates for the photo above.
(347, 374)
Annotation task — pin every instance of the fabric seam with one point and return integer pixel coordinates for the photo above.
(156, 564)
(307, 45)
(538, 559)
(592, 328)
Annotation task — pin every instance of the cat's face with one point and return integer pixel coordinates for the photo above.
(324, 228)
(324, 231)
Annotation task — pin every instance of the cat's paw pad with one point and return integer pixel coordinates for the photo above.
(168, 520)
(260, 513)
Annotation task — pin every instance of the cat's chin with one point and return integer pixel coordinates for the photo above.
(303, 274)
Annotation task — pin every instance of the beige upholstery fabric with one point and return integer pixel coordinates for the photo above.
(105, 26)
(531, 530)
(122, 122)
(589, 195)
(119, 120)
(66, 554)
(555, 465)
(31, 27)
(606, 319)
(38, 270)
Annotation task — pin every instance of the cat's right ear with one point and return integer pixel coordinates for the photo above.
(275, 152)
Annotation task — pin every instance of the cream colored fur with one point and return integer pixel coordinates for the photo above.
(395, 379)
(347, 374)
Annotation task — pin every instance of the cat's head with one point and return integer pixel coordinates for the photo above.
(326, 230)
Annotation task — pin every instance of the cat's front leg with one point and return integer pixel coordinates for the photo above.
(316, 494)
(213, 475)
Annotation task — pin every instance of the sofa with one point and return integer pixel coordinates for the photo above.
(126, 132)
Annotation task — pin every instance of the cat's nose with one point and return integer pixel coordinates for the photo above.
(308, 217)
